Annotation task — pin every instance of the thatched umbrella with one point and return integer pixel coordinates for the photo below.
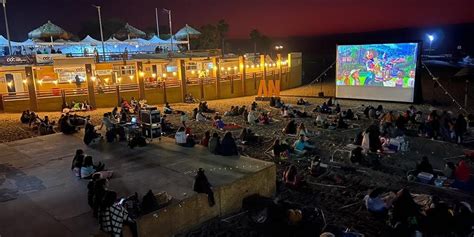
(128, 32)
(49, 31)
(187, 33)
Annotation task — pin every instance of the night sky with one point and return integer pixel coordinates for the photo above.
(273, 17)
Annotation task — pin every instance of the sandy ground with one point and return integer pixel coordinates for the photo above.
(355, 184)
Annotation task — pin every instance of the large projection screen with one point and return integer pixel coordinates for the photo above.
(377, 71)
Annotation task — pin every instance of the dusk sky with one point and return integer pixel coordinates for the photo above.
(274, 18)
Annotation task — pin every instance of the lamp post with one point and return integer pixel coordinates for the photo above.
(4, 3)
(171, 28)
(101, 31)
(157, 25)
(430, 38)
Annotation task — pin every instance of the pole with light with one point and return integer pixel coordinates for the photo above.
(4, 3)
(157, 25)
(101, 31)
(430, 38)
(171, 28)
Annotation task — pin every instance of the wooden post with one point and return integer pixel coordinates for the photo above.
(263, 67)
(279, 69)
(217, 72)
(90, 86)
(119, 98)
(243, 71)
(182, 77)
(31, 88)
(140, 75)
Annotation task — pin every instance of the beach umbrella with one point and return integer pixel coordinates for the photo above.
(49, 31)
(187, 33)
(128, 32)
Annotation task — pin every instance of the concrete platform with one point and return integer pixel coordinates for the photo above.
(40, 196)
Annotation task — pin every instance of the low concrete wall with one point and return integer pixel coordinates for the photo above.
(195, 210)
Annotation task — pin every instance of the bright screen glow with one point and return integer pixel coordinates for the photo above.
(377, 71)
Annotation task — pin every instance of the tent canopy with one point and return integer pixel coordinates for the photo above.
(156, 40)
(47, 31)
(129, 31)
(185, 31)
(90, 41)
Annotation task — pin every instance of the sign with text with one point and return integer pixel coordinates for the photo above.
(16, 60)
(103, 72)
(69, 69)
(47, 58)
(269, 88)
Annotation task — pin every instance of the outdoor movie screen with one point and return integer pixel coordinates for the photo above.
(377, 71)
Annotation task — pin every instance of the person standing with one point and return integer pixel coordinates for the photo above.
(202, 185)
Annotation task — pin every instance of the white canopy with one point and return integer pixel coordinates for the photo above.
(88, 40)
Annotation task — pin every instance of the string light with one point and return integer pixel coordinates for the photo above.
(164, 74)
(193, 72)
(93, 78)
(142, 74)
(131, 77)
(153, 75)
(24, 81)
(174, 73)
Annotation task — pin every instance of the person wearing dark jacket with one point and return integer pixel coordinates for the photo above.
(90, 134)
(460, 128)
(424, 166)
(77, 162)
(228, 146)
(202, 185)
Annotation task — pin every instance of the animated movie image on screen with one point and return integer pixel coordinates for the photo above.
(380, 65)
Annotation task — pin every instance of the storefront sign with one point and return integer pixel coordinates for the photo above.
(70, 69)
(47, 58)
(16, 60)
(104, 72)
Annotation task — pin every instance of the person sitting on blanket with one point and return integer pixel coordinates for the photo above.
(439, 218)
(449, 169)
(205, 139)
(424, 166)
(88, 169)
(302, 146)
(337, 109)
(301, 101)
(200, 117)
(286, 113)
(280, 149)
(167, 109)
(291, 178)
(301, 130)
(341, 124)
(214, 143)
(300, 114)
(219, 123)
(126, 106)
(90, 134)
(376, 204)
(228, 146)
(263, 118)
(204, 108)
(462, 175)
(241, 110)
(188, 98)
(252, 118)
(248, 137)
(325, 109)
(405, 214)
(25, 117)
(348, 114)
(234, 111)
(330, 102)
(184, 139)
(290, 127)
(253, 106)
(279, 103)
(272, 101)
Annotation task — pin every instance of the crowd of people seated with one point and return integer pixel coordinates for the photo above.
(225, 147)
(43, 126)
(406, 217)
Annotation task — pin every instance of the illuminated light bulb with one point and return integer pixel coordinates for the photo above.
(192, 72)
(56, 82)
(253, 66)
(24, 81)
(131, 77)
(93, 78)
(70, 81)
(142, 74)
(235, 68)
(266, 64)
(107, 80)
(153, 75)
(164, 74)
(174, 73)
(40, 82)
(222, 68)
(10, 84)
(207, 70)
(247, 66)
(228, 68)
(119, 79)
(274, 65)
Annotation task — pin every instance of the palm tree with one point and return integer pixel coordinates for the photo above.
(255, 37)
(222, 28)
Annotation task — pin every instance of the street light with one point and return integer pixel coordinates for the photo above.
(431, 38)
(279, 47)
(101, 31)
(171, 27)
(4, 3)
